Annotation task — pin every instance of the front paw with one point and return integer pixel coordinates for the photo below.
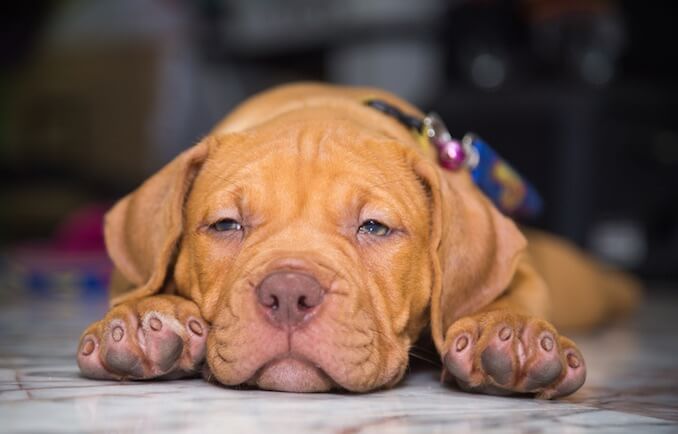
(155, 337)
(504, 353)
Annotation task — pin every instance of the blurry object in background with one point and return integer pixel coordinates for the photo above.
(482, 37)
(82, 231)
(411, 68)
(108, 95)
(621, 242)
(98, 91)
(494, 42)
(74, 263)
(584, 37)
(383, 43)
(263, 27)
(635, 164)
(20, 28)
(33, 204)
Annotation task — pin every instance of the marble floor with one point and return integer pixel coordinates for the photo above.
(632, 387)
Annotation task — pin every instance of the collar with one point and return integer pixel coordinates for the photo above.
(500, 182)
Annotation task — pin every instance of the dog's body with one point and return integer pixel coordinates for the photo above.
(306, 243)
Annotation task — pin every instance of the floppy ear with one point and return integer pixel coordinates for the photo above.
(143, 228)
(475, 248)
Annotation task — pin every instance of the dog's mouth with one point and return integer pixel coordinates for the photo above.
(292, 374)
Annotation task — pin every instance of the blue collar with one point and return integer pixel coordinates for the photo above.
(507, 189)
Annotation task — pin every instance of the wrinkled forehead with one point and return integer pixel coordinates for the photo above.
(295, 160)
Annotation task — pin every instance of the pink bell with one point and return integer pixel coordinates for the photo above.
(451, 154)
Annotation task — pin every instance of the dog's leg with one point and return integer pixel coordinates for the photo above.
(162, 336)
(508, 347)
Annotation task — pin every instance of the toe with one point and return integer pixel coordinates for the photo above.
(88, 359)
(121, 354)
(197, 338)
(543, 365)
(498, 357)
(573, 375)
(459, 358)
(163, 343)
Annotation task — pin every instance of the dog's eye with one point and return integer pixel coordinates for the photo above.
(224, 225)
(374, 227)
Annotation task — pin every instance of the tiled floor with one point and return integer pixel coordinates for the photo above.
(632, 387)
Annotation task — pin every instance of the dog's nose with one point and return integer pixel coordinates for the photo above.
(289, 297)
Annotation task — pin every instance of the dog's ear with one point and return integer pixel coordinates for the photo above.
(143, 228)
(475, 249)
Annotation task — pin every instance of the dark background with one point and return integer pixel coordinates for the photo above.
(579, 95)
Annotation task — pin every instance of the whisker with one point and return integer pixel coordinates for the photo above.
(424, 350)
(435, 363)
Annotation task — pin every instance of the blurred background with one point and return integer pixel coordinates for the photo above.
(96, 95)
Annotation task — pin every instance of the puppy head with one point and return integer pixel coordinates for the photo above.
(313, 248)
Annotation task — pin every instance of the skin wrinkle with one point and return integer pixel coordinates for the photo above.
(362, 351)
(364, 348)
(235, 366)
(369, 357)
(222, 299)
(350, 341)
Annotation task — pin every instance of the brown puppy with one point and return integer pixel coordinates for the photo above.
(307, 242)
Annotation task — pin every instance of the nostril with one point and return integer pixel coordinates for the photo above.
(302, 303)
(271, 301)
